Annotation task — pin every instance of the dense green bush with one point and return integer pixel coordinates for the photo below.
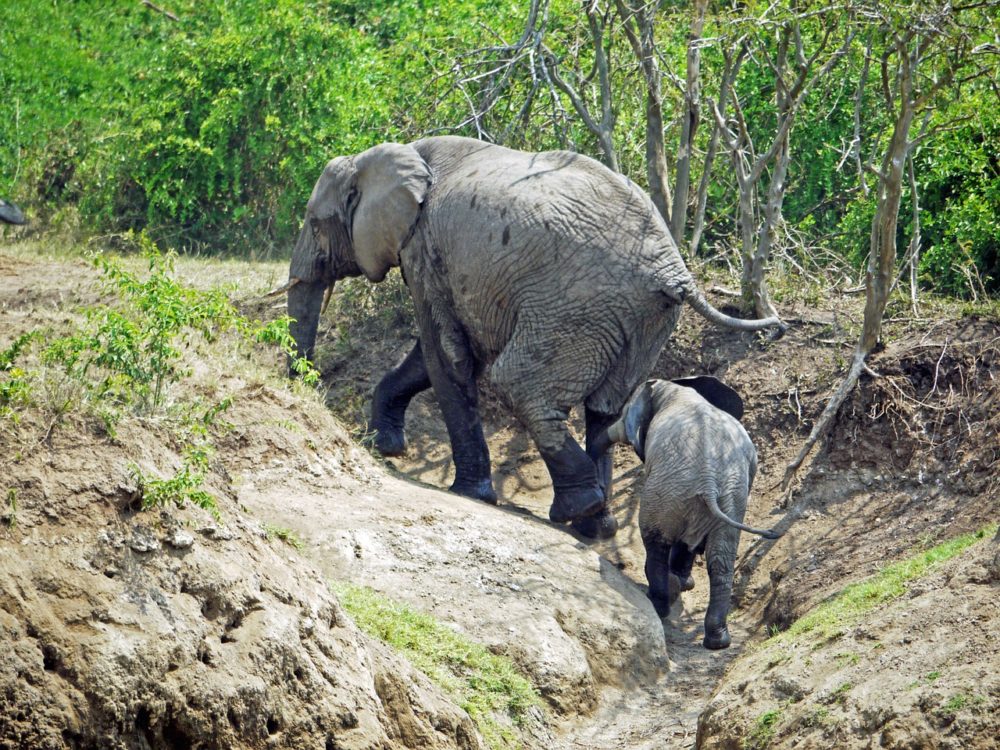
(209, 131)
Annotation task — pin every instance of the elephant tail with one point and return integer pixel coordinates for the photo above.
(713, 506)
(697, 300)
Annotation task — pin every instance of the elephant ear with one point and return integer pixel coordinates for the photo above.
(635, 420)
(717, 393)
(392, 181)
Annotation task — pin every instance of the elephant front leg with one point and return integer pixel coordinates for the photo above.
(720, 555)
(454, 382)
(392, 396)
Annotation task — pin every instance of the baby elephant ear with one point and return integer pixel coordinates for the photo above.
(717, 393)
(638, 412)
(392, 181)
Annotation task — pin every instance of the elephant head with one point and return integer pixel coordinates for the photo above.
(362, 212)
(638, 411)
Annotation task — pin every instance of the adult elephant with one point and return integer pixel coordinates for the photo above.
(548, 269)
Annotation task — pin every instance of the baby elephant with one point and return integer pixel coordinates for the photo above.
(700, 464)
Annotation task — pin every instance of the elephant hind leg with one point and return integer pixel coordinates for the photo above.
(681, 563)
(661, 591)
(720, 556)
(392, 396)
(601, 525)
(541, 376)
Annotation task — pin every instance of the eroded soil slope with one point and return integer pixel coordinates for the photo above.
(913, 460)
(135, 629)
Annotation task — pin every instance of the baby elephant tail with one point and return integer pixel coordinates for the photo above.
(713, 505)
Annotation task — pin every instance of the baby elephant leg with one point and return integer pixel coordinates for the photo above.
(663, 587)
(720, 555)
(681, 562)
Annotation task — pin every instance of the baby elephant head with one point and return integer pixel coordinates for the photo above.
(649, 397)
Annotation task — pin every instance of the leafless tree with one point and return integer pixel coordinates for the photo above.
(924, 54)
(796, 73)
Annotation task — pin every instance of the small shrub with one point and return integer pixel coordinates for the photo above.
(287, 536)
(762, 732)
(184, 486)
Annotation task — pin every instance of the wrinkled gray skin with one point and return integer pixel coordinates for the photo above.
(699, 466)
(549, 271)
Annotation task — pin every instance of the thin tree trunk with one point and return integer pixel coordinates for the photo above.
(689, 125)
(881, 258)
(639, 28)
(729, 73)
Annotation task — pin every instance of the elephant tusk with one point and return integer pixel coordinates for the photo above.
(326, 299)
(282, 289)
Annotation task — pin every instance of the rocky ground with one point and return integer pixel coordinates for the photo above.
(128, 628)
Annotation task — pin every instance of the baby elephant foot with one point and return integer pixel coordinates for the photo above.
(573, 504)
(601, 525)
(716, 639)
(390, 441)
(481, 489)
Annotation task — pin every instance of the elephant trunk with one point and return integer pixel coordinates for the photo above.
(697, 300)
(305, 301)
(607, 437)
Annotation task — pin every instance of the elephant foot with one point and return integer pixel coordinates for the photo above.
(686, 582)
(601, 525)
(481, 489)
(390, 441)
(717, 639)
(576, 503)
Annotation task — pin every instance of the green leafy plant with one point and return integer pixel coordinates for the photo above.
(184, 486)
(482, 683)
(11, 515)
(129, 354)
(283, 534)
(762, 732)
(15, 386)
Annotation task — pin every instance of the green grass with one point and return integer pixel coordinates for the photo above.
(845, 608)
(283, 534)
(483, 684)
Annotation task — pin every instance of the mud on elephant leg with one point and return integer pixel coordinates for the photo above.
(720, 555)
(574, 482)
(392, 396)
(662, 592)
(458, 396)
(601, 525)
(681, 562)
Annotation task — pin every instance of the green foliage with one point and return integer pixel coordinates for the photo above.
(184, 486)
(283, 534)
(829, 618)
(212, 130)
(127, 355)
(15, 385)
(762, 732)
(482, 683)
(10, 517)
